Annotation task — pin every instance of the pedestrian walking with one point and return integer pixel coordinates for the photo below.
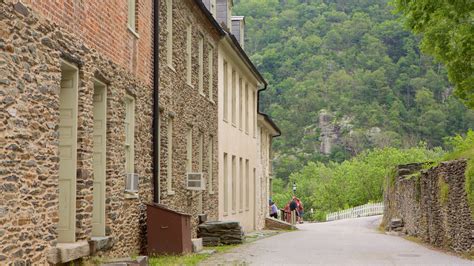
(294, 210)
(300, 210)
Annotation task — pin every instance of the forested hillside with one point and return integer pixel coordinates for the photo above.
(353, 63)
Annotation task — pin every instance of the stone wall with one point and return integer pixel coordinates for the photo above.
(31, 51)
(188, 108)
(432, 204)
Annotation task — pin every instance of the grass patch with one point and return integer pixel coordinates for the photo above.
(188, 259)
(463, 147)
(414, 239)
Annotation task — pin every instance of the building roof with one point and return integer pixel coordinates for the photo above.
(271, 123)
(211, 18)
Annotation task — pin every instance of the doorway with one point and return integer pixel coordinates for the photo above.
(99, 158)
(68, 101)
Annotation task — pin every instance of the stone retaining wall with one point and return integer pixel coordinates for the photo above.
(432, 204)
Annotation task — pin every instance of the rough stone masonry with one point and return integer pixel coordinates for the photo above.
(432, 204)
(31, 52)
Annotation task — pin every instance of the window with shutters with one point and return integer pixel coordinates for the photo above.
(241, 89)
(247, 186)
(225, 101)
(129, 134)
(189, 56)
(201, 151)
(169, 163)
(210, 154)
(254, 114)
(234, 97)
(241, 185)
(210, 67)
(226, 184)
(201, 64)
(246, 104)
(189, 150)
(234, 184)
(169, 32)
(132, 11)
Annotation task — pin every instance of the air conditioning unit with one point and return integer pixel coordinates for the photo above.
(131, 182)
(194, 181)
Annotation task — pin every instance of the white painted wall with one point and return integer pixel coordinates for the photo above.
(236, 142)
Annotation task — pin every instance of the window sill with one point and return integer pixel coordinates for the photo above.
(131, 195)
(133, 32)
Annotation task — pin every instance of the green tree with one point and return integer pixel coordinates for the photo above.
(448, 34)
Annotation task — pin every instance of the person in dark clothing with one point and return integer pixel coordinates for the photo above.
(294, 205)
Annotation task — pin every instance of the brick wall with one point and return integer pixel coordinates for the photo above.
(102, 25)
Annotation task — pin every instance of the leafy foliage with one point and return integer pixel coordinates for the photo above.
(463, 147)
(336, 186)
(448, 34)
(356, 60)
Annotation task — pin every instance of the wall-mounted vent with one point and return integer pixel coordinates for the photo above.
(131, 182)
(194, 181)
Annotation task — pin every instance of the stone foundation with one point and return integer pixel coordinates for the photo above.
(275, 224)
(432, 204)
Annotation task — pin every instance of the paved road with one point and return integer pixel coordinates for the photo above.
(346, 242)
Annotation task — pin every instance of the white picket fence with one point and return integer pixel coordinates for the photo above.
(368, 209)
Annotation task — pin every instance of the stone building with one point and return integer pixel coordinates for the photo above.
(189, 38)
(267, 130)
(76, 112)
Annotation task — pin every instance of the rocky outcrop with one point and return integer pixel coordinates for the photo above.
(431, 204)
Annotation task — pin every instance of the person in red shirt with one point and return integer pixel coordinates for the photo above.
(300, 211)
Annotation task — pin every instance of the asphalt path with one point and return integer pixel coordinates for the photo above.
(345, 242)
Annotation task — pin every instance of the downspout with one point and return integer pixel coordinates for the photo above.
(265, 85)
(156, 102)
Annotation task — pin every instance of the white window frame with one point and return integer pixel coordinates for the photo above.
(241, 111)
(234, 97)
(169, 33)
(211, 71)
(169, 163)
(226, 184)
(210, 154)
(129, 134)
(201, 64)
(189, 150)
(225, 101)
(189, 55)
(132, 16)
